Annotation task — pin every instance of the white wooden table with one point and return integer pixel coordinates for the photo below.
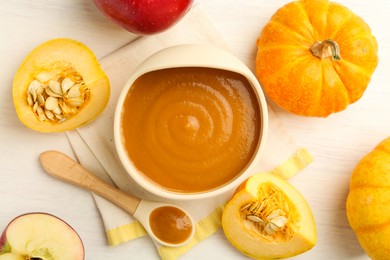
(336, 143)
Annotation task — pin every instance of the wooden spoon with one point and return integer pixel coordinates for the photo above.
(175, 234)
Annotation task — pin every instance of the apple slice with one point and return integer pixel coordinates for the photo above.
(40, 236)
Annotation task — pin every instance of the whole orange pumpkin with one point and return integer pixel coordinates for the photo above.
(368, 202)
(315, 57)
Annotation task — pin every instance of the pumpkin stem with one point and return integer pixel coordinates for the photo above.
(325, 49)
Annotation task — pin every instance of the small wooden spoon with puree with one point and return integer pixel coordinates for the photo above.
(167, 224)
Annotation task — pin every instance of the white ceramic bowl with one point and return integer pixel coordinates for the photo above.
(190, 56)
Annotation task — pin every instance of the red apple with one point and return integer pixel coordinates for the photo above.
(40, 236)
(144, 17)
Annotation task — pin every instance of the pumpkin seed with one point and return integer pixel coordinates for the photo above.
(58, 116)
(45, 76)
(269, 230)
(255, 219)
(30, 101)
(33, 94)
(274, 214)
(57, 111)
(40, 99)
(278, 222)
(66, 110)
(51, 103)
(40, 90)
(51, 93)
(55, 86)
(75, 102)
(49, 114)
(268, 215)
(34, 85)
(35, 107)
(66, 84)
(56, 96)
(74, 92)
(41, 114)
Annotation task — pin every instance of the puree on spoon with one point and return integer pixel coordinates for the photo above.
(191, 129)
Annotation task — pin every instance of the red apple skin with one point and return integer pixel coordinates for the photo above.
(3, 237)
(3, 240)
(144, 17)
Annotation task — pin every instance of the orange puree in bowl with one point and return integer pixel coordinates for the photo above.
(191, 129)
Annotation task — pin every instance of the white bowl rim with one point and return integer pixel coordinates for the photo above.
(158, 61)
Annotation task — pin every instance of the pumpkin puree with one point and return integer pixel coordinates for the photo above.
(191, 129)
(170, 224)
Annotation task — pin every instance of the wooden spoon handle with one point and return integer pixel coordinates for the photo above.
(65, 168)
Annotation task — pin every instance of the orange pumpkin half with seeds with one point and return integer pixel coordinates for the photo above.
(268, 218)
(60, 86)
(315, 57)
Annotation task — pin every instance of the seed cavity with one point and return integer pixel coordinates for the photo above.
(57, 95)
(271, 216)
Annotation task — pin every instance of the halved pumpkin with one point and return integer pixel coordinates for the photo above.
(60, 86)
(268, 218)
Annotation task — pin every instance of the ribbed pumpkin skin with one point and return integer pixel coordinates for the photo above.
(368, 202)
(302, 83)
